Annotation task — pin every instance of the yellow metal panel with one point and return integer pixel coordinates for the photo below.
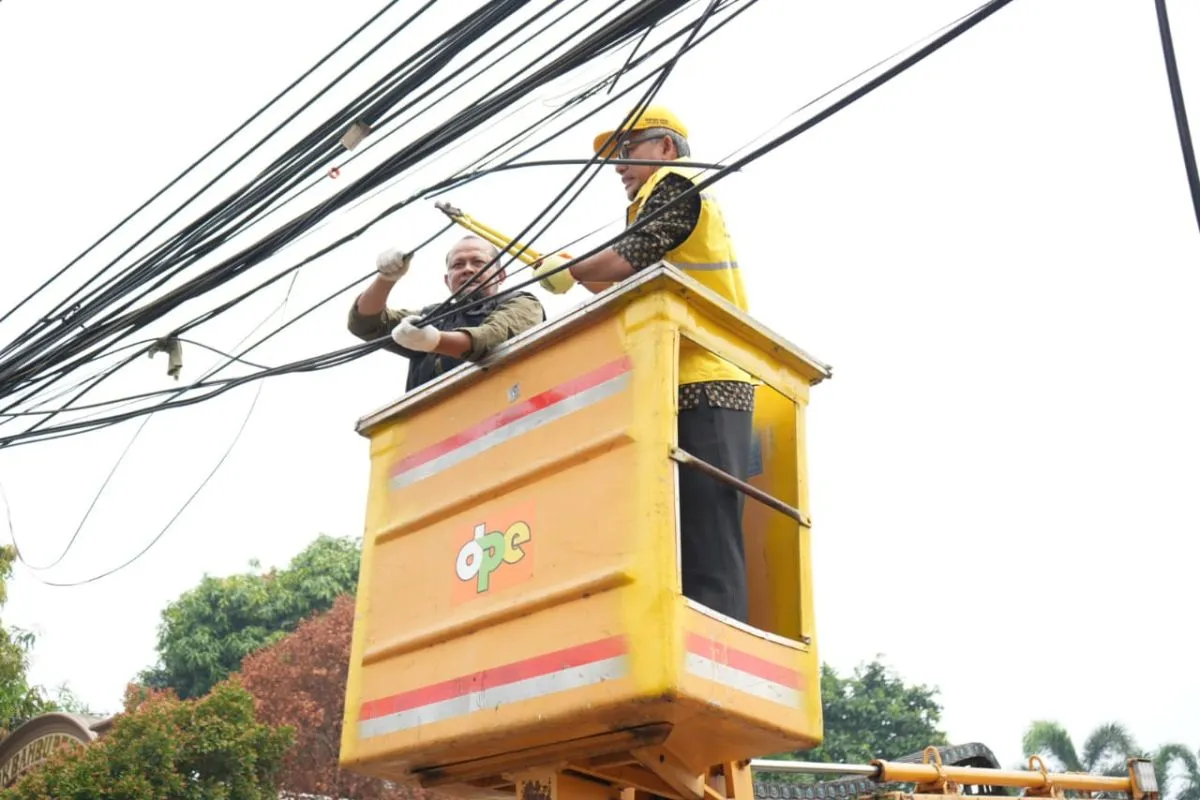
(749, 694)
(808, 625)
(649, 619)
(520, 585)
(499, 503)
(773, 557)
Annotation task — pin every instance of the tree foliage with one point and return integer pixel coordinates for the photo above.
(300, 682)
(205, 634)
(1178, 772)
(66, 700)
(19, 700)
(1107, 750)
(874, 714)
(1104, 751)
(168, 749)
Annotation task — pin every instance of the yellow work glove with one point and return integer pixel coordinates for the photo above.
(558, 283)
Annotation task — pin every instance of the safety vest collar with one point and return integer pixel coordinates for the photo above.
(676, 167)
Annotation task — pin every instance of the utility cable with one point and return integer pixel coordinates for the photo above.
(463, 176)
(205, 383)
(630, 118)
(983, 12)
(230, 358)
(50, 378)
(244, 200)
(91, 506)
(326, 143)
(202, 158)
(239, 197)
(129, 446)
(8, 416)
(158, 537)
(378, 137)
(319, 362)
(630, 24)
(479, 114)
(1181, 120)
(109, 371)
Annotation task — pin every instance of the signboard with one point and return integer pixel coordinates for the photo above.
(39, 739)
(31, 755)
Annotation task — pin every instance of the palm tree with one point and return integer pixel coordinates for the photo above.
(1106, 751)
(1170, 755)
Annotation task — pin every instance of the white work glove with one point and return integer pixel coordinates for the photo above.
(558, 283)
(422, 339)
(391, 264)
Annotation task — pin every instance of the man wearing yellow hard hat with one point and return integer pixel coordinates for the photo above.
(716, 399)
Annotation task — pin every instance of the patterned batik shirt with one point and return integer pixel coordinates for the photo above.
(648, 245)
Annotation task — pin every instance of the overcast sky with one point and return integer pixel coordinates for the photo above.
(996, 252)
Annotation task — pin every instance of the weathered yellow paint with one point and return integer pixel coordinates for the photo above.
(584, 569)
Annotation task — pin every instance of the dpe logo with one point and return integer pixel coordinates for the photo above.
(494, 559)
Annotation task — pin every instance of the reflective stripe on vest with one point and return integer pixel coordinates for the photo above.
(708, 257)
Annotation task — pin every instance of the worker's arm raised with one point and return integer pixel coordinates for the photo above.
(370, 318)
(390, 266)
(647, 244)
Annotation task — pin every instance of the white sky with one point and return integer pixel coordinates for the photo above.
(996, 252)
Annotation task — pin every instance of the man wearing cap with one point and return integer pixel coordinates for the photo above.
(467, 328)
(716, 398)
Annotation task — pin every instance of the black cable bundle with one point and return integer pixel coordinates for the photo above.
(45, 353)
(610, 36)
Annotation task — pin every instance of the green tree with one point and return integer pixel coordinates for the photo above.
(207, 749)
(872, 713)
(18, 699)
(66, 700)
(1107, 750)
(1178, 772)
(207, 631)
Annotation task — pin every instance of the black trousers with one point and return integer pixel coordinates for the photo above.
(713, 555)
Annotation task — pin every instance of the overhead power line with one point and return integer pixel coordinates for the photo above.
(270, 103)
(58, 372)
(344, 355)
(48, 350)
(1181, 120)
(123, 304)
(942, 39)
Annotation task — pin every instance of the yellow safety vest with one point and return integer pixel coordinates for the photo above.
(706, 255)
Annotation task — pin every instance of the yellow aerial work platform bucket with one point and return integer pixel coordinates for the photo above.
(519, 601)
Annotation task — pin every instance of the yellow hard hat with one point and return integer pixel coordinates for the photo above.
(652, 117)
